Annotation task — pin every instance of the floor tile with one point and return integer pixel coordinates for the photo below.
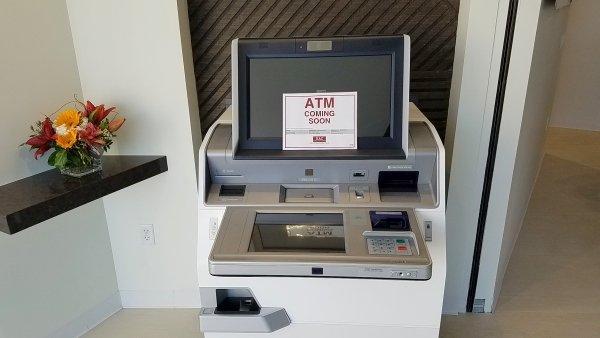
(149, 323)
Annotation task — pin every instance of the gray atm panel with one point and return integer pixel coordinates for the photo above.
(311, 242)
(264, 180)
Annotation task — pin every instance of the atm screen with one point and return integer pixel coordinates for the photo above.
(369, 75)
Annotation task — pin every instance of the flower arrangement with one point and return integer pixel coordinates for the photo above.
(78, 135)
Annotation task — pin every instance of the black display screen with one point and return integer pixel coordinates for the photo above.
(368, 75)
(298, 232)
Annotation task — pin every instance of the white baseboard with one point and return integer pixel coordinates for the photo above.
(89, 319)
(160, 298)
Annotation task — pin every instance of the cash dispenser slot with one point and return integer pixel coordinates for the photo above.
(307, 194)
(393, 182)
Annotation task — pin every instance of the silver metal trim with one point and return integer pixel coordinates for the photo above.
(235, 123)
(405, 94)
(269, 319)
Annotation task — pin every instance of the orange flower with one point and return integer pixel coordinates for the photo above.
(115, 124)
(68, 117)
(67, 140)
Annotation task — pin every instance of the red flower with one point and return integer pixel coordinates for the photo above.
(96, 114)
(42, 141)
(89, 108)
(91, 135)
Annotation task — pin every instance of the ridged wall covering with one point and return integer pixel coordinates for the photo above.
(431, 25)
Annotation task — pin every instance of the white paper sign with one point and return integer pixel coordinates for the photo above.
(319, 121)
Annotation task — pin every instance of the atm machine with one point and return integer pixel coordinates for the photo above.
(316, 241)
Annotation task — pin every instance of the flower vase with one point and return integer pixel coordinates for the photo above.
(80, 171)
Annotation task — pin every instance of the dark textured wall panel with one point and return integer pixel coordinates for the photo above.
(431, 25)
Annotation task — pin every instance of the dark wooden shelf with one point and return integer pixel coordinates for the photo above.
(34, 199)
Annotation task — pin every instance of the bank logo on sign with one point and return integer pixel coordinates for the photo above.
(320, 139)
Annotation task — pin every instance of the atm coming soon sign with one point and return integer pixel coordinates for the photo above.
(319, 121)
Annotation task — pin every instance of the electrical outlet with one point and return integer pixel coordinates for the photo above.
(147, 234)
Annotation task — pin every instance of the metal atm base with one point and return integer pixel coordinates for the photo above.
(320, 330)
(268, 319)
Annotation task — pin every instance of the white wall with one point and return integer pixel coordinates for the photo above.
(480, 38)
(527, 106)
(474, 82)
(56, 278)
(577, 102)
(130, 55)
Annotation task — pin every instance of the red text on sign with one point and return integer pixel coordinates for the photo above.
(322, 116)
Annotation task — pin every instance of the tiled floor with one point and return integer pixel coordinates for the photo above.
(149, 323)
(551, 288)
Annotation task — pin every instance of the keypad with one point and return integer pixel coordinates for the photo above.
(389, 246)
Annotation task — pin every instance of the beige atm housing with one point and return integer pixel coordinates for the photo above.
(295, 188)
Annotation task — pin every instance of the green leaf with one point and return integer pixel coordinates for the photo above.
(52, 158)
(60, 159)
(74, 159)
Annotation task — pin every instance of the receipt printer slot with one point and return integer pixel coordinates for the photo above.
(307, 195)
